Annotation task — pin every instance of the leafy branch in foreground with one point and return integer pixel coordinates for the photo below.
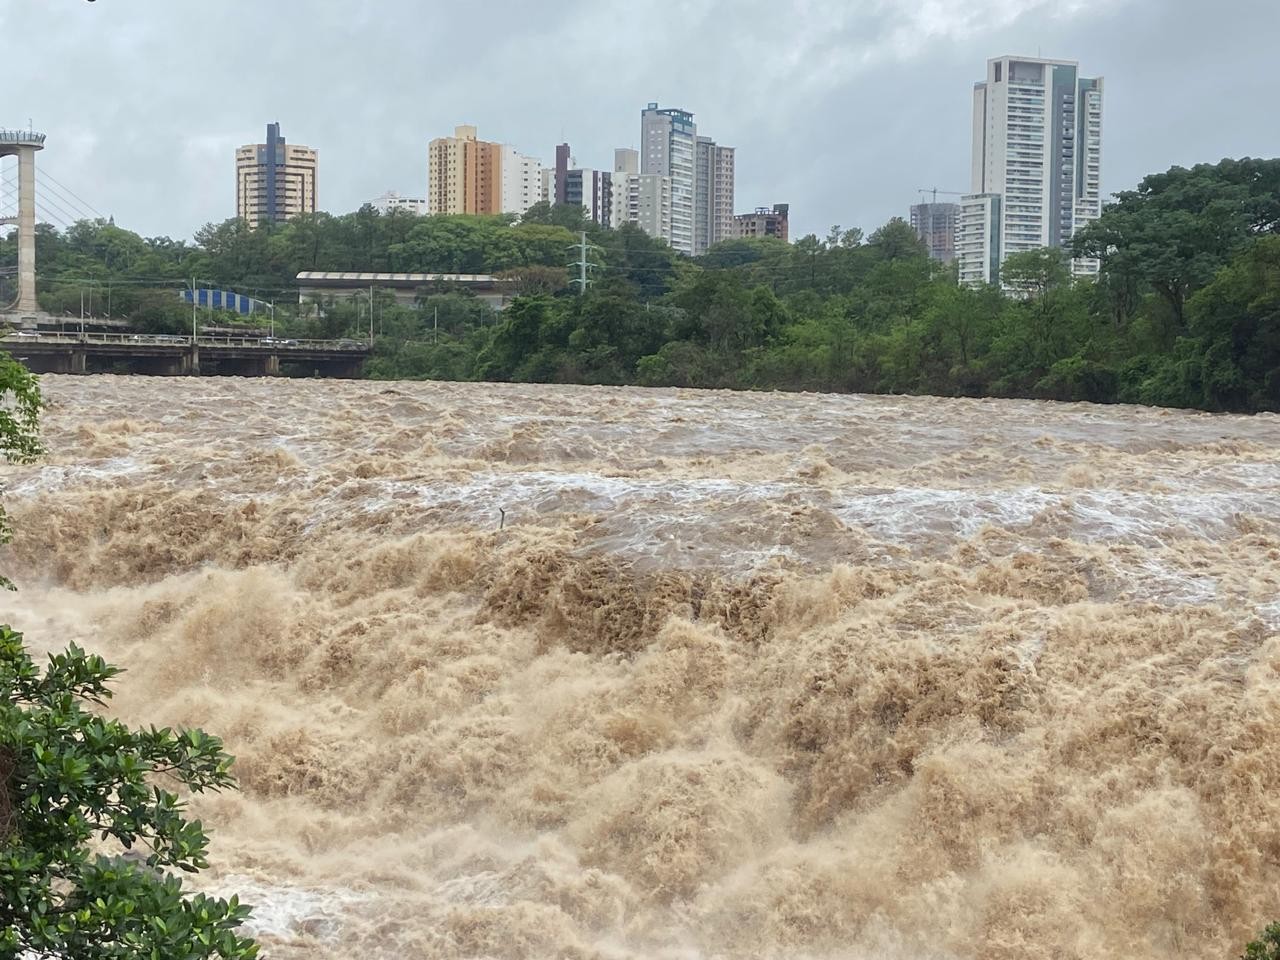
(1266, 947)
(74, 786)
(19, 426)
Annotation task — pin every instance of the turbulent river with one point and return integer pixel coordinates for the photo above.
(555, 672)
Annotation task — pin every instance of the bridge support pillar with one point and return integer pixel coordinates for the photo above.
(191, 362)
(78, 361)
(272, 367)
(27, 230)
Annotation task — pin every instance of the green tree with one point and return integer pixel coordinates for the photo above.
(896, 240)
(1236, 320)
(19, 426)
(1266, 947)
(1177, 229)
(73, 783)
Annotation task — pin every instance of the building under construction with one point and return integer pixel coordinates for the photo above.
(935, 224)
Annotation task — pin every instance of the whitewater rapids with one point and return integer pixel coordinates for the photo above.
(558, 672)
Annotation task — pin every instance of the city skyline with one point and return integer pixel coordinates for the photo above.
(867, 107)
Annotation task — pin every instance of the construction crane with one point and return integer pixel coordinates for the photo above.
(935, 191)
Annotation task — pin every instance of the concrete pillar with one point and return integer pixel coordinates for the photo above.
(193, 361)
(27, 230)
(78, 362)
(272, 366)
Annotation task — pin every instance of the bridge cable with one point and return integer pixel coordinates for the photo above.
(83, 203)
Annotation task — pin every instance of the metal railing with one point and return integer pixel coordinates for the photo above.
(20, 136)
(166, 340)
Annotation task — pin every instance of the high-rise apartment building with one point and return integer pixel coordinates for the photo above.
(1037, 154)
(581, 186)
(463, 174)
(713, 194)
(978, 239)
(640, 198)
(593, 191)
(701, 175)
(275, 180)
(668, 141)
(564, 160)
(936, 224)
(469, 175)
(644, 199)
(764, 222)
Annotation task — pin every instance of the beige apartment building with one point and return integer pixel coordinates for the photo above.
(275, 180)
(464, 174)
(468, 175)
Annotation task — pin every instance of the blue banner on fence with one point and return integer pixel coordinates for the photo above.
(223, 300)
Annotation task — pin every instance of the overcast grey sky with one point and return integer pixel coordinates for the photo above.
(842, 109)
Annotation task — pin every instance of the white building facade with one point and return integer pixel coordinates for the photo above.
(391, 201)
(522, 183)
(1036, 164)
(640, 198)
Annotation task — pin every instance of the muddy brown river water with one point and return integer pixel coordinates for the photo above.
(567, 672)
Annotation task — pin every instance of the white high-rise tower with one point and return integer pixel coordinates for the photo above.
(1037, 154)
(667, 143)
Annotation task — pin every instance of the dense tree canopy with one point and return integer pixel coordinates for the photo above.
(1182, 312)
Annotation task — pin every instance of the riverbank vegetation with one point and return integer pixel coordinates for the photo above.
(1184, 312)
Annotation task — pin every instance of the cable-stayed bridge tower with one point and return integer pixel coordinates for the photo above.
(23, 144)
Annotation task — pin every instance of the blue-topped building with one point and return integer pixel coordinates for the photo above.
(275, 180)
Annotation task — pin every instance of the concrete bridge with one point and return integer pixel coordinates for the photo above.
(164, 355)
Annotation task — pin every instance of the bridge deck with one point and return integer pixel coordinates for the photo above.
(68, 352)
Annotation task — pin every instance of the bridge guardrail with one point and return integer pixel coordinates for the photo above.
(159, 339)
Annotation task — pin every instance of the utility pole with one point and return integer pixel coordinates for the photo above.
(82, 314)
(273, 319)
(370, 316)
(582, 263)
(194, 298)
(435, 327)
